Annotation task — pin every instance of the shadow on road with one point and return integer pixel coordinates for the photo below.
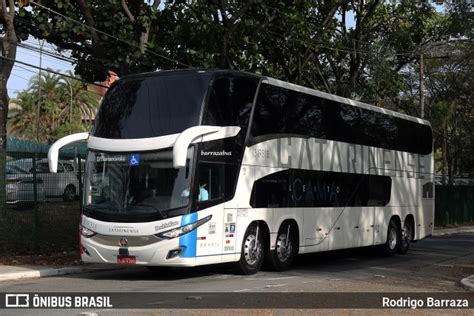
(330, 261)
(423, 254)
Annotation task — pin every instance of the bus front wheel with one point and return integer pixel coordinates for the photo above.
(251, 257)
(392, 244)
(286, 247)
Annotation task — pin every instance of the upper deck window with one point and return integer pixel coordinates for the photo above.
(281, 111)
(151, 106)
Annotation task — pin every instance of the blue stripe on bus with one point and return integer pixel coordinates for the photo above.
(188, 240)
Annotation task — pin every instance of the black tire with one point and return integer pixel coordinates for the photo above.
(69, 193)
(252, 253)
(392, 244)
(286, 249)
(406, 236)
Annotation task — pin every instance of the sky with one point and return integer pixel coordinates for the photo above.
(21, 74)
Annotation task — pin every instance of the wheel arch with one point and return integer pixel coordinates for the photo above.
(265, 229)
(294, 224)
(384, 228)
(397, 220)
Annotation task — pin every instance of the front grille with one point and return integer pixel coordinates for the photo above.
(132, 241)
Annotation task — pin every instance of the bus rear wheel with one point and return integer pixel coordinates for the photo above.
(251, 257)
(285, 251)
(392, 244)
(406, 236)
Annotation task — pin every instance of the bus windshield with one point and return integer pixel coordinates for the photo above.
(151, 106)
(121, 186)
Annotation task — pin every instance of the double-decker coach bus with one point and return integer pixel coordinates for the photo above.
(188, 168)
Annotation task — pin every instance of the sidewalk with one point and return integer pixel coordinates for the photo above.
(453, 230)
(21, 272)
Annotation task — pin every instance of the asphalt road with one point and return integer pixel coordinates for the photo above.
(435, 264)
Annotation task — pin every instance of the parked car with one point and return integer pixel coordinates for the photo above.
(64, 183)
(20, 186)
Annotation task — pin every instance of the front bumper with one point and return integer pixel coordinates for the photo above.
(148, 250)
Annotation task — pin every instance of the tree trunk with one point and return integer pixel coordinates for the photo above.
(9, 44)
(445, 154)
(3, 139)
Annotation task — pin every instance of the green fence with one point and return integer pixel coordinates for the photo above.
(454, 205)
(42, 209)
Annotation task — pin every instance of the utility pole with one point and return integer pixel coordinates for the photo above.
(38, 103)
(35, 156)
(422, 85)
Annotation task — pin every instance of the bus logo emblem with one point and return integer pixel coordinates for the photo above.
(123, 242)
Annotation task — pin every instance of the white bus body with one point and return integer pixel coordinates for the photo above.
(284, 191)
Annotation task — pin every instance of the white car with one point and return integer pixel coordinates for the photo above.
(20, 187)
(64, 183)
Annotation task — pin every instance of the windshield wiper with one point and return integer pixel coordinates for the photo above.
(151, 206)
(97, 207)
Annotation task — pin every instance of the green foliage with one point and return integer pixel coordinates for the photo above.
(367, 50)
(451, 106)
(57, 116)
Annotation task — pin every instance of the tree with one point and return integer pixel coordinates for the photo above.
(451, 107)
(364, 49)
(57, 116)
(8, 54)
(82, 28)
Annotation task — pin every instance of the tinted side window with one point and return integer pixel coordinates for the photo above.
(230, 102)
(270, 112)
(216, 183)
(282, 111)
(271, 191)
(307, 188)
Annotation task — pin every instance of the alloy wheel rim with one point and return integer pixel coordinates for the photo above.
(392, 241)
(407, 234)
(283, 251)
(252, 250)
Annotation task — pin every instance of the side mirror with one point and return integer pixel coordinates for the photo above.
(53, 152)
(190, 135)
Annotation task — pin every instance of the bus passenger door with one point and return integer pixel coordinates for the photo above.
(210, 196)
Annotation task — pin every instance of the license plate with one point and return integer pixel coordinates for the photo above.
(126, 259)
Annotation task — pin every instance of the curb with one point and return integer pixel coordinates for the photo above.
(47, 272)
(451, 231)
(468, 283)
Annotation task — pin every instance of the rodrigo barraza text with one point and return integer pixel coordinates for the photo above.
(427, 302)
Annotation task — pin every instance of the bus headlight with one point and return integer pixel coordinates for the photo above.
(179, 231)
(86, 232)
